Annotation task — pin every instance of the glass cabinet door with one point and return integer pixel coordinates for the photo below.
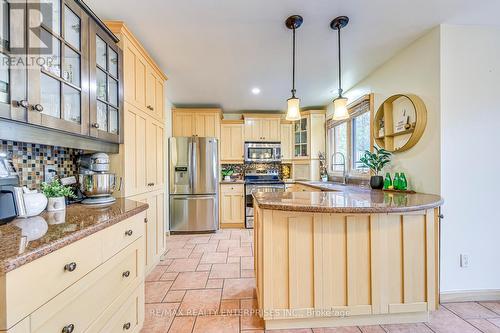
(105, 74)
(58, 89)
(13, 99)
(300, 138)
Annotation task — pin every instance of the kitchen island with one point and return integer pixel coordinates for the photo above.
(346, 256)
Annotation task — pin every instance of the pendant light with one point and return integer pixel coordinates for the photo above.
(293, 103)
(340, 103)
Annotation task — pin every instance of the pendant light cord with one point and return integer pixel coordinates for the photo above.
(340, 67)
(293, 64)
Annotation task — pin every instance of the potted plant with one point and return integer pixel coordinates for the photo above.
(322, 167)
(227, 172)
(56, 194)
(375, 162)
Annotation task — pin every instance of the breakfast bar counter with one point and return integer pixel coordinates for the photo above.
(346, 256)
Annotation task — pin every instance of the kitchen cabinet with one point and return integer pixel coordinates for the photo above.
(232, 206)
(106, 96)
(262, 127)
(196, 122)
(141, 160)
(286, 141)
(309, 135)
(232, 141)
(154, 227)
(58, 90)
(143, 80)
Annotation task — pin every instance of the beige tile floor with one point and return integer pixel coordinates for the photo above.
(206, 284)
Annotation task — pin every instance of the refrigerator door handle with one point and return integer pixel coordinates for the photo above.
(190, 164)
(194, 166)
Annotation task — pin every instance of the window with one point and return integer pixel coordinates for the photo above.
(350, 138)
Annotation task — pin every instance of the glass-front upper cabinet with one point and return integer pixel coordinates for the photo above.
(300, 137)
(13, 99)
(58, 80)
(106, 89)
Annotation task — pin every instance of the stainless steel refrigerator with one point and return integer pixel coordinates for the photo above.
(194, 183)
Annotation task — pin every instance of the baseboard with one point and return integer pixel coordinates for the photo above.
(470, 295)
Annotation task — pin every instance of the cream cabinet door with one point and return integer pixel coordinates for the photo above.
(207, 125)
(155, 229)
(135, 138)
(231, 142)
(183, 124)
(155, 96)
(286, 141)
(135, 77)
(155, 154)
(253, 129)
(270, 129)
(232, 205)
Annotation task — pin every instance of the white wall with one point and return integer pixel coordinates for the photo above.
(413, 70)
(470, 137)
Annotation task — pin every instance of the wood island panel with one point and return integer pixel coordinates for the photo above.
(332, 269)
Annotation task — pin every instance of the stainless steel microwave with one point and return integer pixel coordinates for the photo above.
(262, 152)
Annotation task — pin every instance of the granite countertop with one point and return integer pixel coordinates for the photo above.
(24, 240)
(339, 198)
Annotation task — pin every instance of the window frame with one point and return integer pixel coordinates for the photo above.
(331, 125)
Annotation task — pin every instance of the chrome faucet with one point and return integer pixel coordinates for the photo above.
(343, 164)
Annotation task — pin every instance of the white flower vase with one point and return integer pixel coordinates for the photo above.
(56, 204)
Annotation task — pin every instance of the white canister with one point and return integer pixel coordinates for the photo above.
(56, 204)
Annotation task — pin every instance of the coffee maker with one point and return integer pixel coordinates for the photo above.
(96, 183)
(9, 190)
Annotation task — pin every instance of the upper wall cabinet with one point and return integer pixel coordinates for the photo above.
(309, 135)
(106, 95)
(260, 127)
(144, 81)
(71, 81)
(196, 122)
(232, 141)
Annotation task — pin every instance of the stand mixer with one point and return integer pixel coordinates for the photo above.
(96, 182)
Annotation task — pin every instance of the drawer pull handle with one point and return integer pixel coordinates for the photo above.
(68, 328)
(126, 274)
(129, 232)
(126, 326)
(70, 267)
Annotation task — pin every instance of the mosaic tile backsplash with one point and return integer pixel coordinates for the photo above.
(239, 169)
(29, 160)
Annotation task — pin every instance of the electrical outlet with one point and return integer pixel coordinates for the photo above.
(49, 172)
(464, 260)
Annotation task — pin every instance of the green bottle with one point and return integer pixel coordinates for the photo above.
(387, 180)
(396, 181)
(403, 184)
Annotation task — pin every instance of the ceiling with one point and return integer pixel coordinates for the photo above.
(215, 51)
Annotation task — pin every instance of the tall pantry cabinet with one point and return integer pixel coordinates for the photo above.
(141, 161)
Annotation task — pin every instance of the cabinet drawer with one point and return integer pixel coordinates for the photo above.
(83, 302)
(130, 316)
(120, 235)
(31, 285)
(232, 188)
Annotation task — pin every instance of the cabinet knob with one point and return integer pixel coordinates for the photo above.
(23, 104)
(150, 107)
(441, 216)
(95, 125)
(129, 233)
(145, 220)
(68, 328)
(126, 326)
(38, 107)
(70, 267)
(126, 274)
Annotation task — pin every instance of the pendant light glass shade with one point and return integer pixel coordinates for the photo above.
(293, 111)
(340, 109)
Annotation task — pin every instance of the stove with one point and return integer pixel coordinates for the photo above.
(259, 180)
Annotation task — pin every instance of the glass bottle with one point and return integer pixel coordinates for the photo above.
(387, 180)
(403, 184)
(395, 183)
